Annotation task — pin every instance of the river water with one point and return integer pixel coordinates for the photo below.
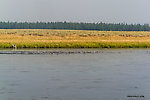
(114, 74)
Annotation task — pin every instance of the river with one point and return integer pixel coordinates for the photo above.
(113, 74)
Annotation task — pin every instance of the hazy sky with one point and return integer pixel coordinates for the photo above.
(128, 11)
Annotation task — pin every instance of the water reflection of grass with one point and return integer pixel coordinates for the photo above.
(31, 38)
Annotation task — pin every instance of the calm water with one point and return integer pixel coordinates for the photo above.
(111, 75)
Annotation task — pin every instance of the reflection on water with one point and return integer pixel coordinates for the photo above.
(111, 75)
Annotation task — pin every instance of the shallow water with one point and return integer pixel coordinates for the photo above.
(113, 74)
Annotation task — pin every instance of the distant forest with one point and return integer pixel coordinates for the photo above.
(75, 26)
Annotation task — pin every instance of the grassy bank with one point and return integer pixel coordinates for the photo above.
(37, 38)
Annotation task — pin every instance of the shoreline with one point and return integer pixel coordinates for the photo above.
(49, 52)
(70, 51)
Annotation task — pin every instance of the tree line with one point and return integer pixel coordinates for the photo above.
(75, 26)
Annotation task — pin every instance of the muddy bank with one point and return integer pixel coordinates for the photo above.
(50, 52)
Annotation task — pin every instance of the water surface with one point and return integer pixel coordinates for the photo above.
(113, 74)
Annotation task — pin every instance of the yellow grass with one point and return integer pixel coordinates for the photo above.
(38, 38)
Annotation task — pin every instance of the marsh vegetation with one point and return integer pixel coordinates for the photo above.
(47, 38)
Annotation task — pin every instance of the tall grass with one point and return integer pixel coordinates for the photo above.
(38, 38)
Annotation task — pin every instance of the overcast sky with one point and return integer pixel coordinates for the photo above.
(110, 11)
